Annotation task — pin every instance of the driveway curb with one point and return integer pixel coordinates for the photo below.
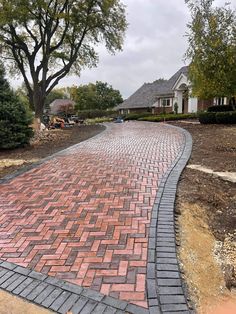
(58, 295)
(165, 287)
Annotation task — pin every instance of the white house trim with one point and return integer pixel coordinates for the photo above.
(180, 85)
(192, 104)
(181, 80)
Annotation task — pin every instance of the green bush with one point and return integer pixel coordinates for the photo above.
(92, 114)
(14, 125)
(222, 108)
(169, 117)
(136, 116)
(14, 119)
(226, 117)
(207, 117)
(98, 120)
(176, 108)
(218, 117)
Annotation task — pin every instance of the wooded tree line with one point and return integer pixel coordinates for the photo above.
(98, 96)
(212, 50)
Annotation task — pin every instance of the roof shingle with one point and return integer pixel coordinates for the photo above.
(148, 93)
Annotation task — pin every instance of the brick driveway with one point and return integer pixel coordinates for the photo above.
(84, 216)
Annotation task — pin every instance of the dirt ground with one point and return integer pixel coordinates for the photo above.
(207, 207)
(10, 304)
(47, 144)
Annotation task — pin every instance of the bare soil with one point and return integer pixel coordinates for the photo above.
(44, 145)
(10, 304)
(207, 207)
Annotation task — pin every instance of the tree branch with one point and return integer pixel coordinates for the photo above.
(73, 55)
(20, 65)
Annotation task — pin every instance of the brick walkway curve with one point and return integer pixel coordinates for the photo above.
(84, 215)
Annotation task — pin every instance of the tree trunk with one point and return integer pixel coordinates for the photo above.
(233, 103)
(38, 99)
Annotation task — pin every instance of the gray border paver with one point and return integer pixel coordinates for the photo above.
(168, 276)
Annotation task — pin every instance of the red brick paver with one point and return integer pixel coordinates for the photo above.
(84, 216)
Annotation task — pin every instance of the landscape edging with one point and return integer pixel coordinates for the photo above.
(58, 295)
(166, 289)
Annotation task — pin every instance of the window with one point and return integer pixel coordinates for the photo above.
(220, 101)
(166, 102)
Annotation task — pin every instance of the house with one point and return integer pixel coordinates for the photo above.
(162, 95)
(62, 105)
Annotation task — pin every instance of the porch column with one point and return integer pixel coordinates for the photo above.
(192, 104)
(179, 100)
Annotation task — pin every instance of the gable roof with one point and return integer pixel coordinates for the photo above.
(147, 95)
(144, 97)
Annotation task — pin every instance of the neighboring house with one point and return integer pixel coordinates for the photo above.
(161, 96)
(62, 105)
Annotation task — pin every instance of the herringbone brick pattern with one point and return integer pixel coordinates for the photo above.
(84, 216)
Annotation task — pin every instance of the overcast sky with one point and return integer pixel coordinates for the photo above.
(154, 46)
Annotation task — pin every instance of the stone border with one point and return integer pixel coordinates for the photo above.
(165, 288)
(58, 295)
